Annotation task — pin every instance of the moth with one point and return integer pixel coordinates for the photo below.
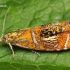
(47, 37)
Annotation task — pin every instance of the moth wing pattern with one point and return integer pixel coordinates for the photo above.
(53, 37)
(48, 37)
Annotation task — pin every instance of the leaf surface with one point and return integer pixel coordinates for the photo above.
(28, 13)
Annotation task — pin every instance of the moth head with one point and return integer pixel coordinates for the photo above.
(3, 38)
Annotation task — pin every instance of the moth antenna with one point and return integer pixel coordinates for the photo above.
(5, 20)
(4, 23)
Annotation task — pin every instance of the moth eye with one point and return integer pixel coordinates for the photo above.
(68, 22)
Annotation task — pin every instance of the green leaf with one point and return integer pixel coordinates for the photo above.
(28, 13)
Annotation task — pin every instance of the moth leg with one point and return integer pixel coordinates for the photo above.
(11, 49)
(36, 52)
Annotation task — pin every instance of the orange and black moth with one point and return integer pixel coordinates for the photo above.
(48, 37)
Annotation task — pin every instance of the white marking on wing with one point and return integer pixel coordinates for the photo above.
(58, 49)
(55, 45)
(34, 38)
(21, 46)
(50, 38)
(63, 29)
(66, 42)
